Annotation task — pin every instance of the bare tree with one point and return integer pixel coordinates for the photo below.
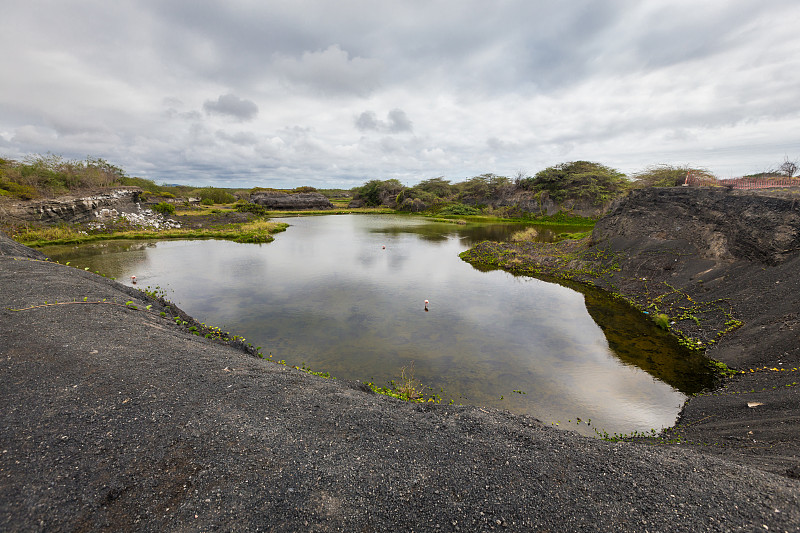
(788, 168)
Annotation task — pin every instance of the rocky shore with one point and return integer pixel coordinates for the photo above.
(724, 267)
(116, 417)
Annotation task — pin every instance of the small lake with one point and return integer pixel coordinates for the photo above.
(345, 294)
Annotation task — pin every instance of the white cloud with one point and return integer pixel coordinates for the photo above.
(330, 71)
(331, 89)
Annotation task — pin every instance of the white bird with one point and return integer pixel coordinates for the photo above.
(133, 279)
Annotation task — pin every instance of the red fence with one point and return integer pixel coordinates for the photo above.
(761, 182)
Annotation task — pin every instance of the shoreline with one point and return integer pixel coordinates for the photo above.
(741, 311)
(116, 418)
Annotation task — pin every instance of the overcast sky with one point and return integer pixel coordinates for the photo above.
(335, 93)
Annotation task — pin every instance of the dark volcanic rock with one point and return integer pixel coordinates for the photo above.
(724, 266)
(115, 418)
(12, 248)
(720, 224)
(282, 200)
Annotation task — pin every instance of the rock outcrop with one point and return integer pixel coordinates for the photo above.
(296, 201)
(724, 267)
(721, 224)
(77, 209)
(542, 204)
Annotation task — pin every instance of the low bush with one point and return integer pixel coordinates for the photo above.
(18, 190)
(256, 209)
(164, 208)
(47, 175)
(459, 210)
(217, 196)
(667, 176)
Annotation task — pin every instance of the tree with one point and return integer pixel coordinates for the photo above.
(788, 168)
(579, 180)
(481, 189)
(667, 176)
(377, 192)
(438, 187)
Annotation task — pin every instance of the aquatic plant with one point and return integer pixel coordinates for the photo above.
(662, 321)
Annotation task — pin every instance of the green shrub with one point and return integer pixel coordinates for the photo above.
(51, 174)
(662, 321)
(256, 209)
(207, 201)
(459, 210)
(18, 190)
(377, 192)
(578, 180)
(484, 187)
(217, 196)
(438, 187)
(666, 176)
(164, 208)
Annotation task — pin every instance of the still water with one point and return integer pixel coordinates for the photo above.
(345, 294)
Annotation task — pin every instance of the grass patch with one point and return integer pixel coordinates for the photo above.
(528, 234)
(407, 388)
(258, 231)
(574, 236)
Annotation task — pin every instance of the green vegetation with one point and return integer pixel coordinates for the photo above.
(257, 231)
(49, 175)
(458, 210)
(528, 234)
(164, 208)
(578, 180)
(667, 176)
(214, 195)
(377, 192)
(721, 369)
(407, 388)
(590, 184)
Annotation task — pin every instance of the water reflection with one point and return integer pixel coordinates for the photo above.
(346, 294)
(471, 234)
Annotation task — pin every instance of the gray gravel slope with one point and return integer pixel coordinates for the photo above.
(117, 419)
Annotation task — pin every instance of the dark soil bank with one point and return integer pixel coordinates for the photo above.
(724, 266)
(115, 418)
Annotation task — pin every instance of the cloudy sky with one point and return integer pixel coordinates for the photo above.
(332, 94)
